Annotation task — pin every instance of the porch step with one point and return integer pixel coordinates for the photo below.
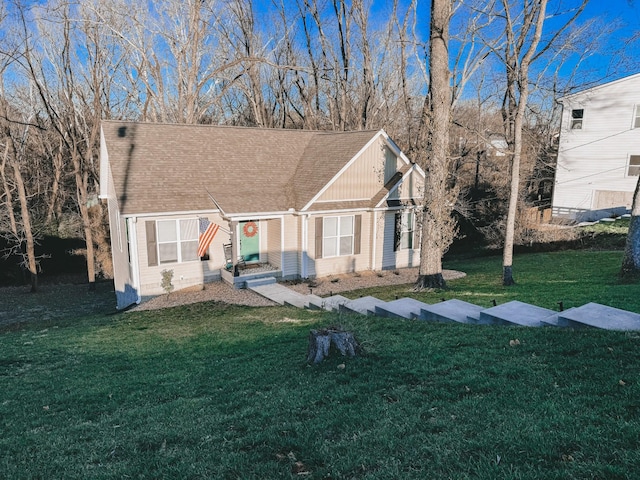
(515, 313)
(363, 305)
(601, 316)
(451, 311)
(402, 308)
(256, 282)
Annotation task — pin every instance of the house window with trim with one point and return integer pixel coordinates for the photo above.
(337, 239)
(177, 240)
(577, 115)
(338, 236)
(405, 229)
(633, 170)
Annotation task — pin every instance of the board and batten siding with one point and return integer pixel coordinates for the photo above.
(357, 182)
(185, 274)
(411, 187)
(591, 175)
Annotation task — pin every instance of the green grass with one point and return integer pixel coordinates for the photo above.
(216, 391)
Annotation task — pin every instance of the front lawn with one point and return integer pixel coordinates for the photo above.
(217, 391)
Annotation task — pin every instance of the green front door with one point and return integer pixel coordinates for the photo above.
(250, 241)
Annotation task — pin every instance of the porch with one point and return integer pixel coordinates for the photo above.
(250, 272)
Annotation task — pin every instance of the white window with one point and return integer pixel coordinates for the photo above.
(636, 117)
(177, 241)
(577, 116)
(633, 170)
(405, 230)
(337, 236)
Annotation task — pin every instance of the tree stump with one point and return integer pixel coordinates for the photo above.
(320, 342)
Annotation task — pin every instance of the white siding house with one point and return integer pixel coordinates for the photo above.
(599, 151)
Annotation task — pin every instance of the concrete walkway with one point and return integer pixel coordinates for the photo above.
(510, 313)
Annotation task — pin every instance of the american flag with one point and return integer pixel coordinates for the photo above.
(208, 230)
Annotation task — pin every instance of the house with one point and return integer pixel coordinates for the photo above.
(301, 204)
(599, 151)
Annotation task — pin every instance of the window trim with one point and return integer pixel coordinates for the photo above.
(636, 117)
(338, 237)
(635, 166)
(573, 120)
(179, 241)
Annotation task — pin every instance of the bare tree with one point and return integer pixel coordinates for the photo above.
(523, 45)
(437, 224)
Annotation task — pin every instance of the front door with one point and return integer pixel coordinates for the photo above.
(250, 241)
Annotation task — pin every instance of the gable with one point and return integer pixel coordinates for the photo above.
(365, 176)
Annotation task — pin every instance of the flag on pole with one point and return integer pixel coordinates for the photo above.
(208, 230)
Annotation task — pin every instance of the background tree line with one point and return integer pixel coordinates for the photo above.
(307, 64)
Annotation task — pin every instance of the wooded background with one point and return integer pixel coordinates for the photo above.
(305, 64)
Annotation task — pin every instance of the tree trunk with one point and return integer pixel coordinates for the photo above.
(437, 231)
(631, 260)
(26, 227)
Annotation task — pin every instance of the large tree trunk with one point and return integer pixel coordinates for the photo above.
(437, 214)
(631, 259)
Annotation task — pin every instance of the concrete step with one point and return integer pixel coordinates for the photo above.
(601, 316)
(402, 308)
(314, 302)
(451, 311)
(556, 320)
(515, 313)
(363, 305)
(256, 282)
(334, 302)
(280, 294)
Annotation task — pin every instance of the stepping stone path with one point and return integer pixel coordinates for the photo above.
(510, 313)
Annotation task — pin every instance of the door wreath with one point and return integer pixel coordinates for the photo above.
(250, 229)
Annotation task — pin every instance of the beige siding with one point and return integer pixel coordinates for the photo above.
(411, 187)
(292, 245)
(358, 182)
(274, 234)
(386, 257)
(323, 267)
(185, 274)
(119, 249)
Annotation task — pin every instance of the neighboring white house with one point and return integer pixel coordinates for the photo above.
(599, 151)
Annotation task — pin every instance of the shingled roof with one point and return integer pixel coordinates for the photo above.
(173, 167)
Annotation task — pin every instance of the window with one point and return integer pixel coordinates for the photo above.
(636, 117)
(337, 238)
(405, 227)
(634, 166)
(576, 119)
(177, 240)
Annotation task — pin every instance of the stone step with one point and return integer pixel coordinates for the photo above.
(363, 305)
(601, 316)
(256, 282)
(401, 308)
(515, 313)
(451, 311)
